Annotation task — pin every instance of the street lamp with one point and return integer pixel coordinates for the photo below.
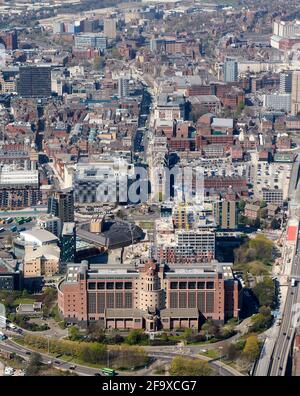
(238, 315)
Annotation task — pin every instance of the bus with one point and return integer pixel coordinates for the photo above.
(108, 372)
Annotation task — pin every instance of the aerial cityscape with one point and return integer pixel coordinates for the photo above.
(149, 188)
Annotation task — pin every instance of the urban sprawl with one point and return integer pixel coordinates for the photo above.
(149, 188)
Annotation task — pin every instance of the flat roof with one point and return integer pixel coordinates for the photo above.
(291, 234)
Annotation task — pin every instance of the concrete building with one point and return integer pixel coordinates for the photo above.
(230, 70)
(50, 223)
(61, 204)
(123, 87)
(19, 188)
(34, 81)
(104, 178)
(185, 246)
(41, 261)
(285, 82)
(295, 93)
(225, 214)
(91, 40)
(149, 296)
(11, 275)
(110, 28)
(278, 101)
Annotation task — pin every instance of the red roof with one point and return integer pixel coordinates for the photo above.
(291, 234)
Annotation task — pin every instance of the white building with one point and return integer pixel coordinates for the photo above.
(277, 101)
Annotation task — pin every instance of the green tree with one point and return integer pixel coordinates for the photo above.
(74, 333)
(34, 365)
(265, 292)
(189, 367)
(252, 348)
(136, 337)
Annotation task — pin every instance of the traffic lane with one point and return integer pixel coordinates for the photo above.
(286, 333)
(62, 364)
(223, 370)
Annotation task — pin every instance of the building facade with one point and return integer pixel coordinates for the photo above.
(34, 82)
(151, 296)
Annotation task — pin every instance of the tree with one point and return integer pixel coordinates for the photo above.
(241, 205)
(189, 367)
(34, 365)
(252, 349)
(265, 292)
(74, 333)
(136, 337)
(232, 352)
(211, 328)
(275, 224)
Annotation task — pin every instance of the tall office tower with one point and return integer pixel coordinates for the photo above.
(61, 204)
(296, 92)
(123, 87)
(230, 70)
(286, 82)
(34, 82)
(68, 243)
(225, 214)
(110, 28)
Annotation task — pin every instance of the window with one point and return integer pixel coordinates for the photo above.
(174, 285)
(201, 301)
(174, 300)
(209, 301)
(210, 285)
(128, 285)
(119, 300)
(92, 286)
(110, 300)
(100, 285)
(182, 285)
(119, 285)
(110, 285)
(182, 300)
(128, 300)
(92, 303)
(100, 302)
(192, 300)
(192, 285)
(200, 285)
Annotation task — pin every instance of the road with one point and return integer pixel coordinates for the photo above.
(220, 367)
(276, 350)
(284, 341)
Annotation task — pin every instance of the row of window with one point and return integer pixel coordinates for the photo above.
(203, 301)
(98, 302)
(109, 285)
(191, 285)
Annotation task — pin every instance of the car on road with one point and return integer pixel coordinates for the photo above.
(27, 353)
(73, 367)
(57, 362)
(97, 374)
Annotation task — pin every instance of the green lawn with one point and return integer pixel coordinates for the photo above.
(26, 300)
